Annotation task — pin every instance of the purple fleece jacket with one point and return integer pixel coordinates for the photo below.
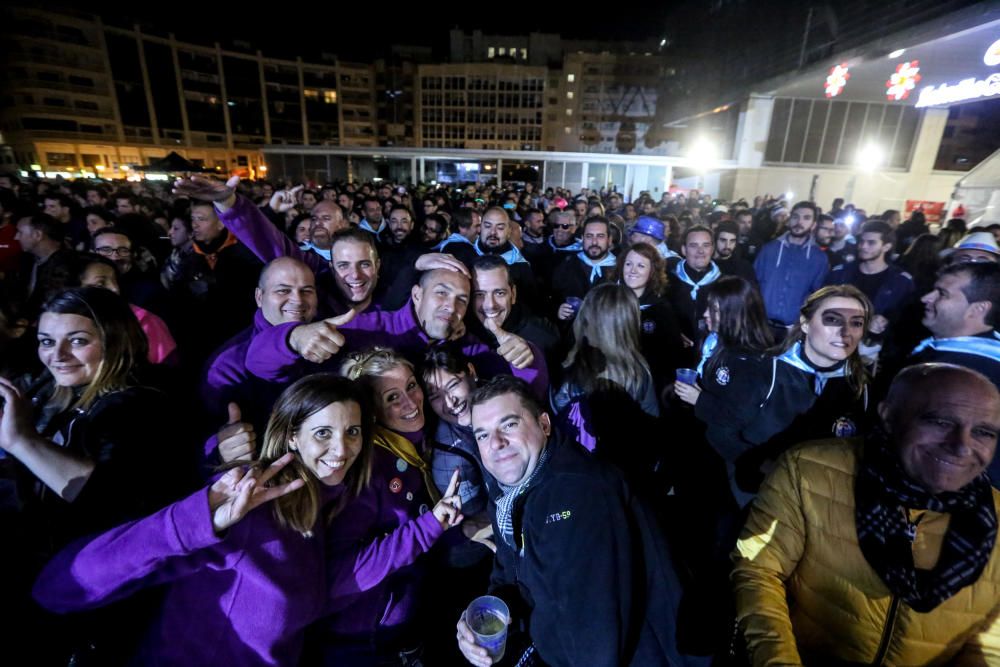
(241, 599)
(270, 358)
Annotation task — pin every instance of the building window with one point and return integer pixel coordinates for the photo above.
(569, 94)
(491, 52)
(568, 130)
(524, 54)
(330, 96)
(503, 51)
(569, 112)
(311, 94)
(570, 78)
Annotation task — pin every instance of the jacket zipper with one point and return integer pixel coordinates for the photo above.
(890, 625)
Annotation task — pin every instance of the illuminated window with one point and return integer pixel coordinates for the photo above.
(568, 129)
(503, 51)
(571, 78)
(330, 96)
(524, 54)
(569, 94)
(311, 94)
(569, 112)
(491, 52)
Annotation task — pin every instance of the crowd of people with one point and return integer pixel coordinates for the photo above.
(259, 423)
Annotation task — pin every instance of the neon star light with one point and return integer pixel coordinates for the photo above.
(903, 80)
(839, 74)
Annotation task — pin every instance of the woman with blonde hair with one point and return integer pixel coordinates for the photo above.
(606, 356)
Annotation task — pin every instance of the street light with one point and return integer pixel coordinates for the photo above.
(703, 154)
(870, 157)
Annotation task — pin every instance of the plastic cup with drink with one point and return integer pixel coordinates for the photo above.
(488, 617)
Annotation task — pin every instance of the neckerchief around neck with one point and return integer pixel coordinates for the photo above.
(707, 349)
(883, 493)
(793, 357)
(454, 238)
(512, 256)
(505, 503)
(212, 256)
(404, 449)
(575, 246)
(595, 267)
(980, 346)
(710, 277)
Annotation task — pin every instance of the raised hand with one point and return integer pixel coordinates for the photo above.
(239, 492)
(448, 510)
(15, 417)
(237, 440)
(514, 349)
(208, 189)
(319, 341)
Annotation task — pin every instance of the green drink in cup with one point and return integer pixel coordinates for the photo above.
(488, 618)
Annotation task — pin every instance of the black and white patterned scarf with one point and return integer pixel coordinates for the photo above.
(883, 494)
(505, 503)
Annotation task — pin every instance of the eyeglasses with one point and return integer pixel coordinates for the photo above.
(108, 251)
(564, 225)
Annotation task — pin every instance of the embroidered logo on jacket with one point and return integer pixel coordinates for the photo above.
(558, 516)
(722, 376)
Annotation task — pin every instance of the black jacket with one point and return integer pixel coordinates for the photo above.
(590, 578)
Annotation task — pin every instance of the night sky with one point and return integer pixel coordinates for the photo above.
(354, 32)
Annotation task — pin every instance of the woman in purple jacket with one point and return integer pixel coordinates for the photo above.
(244, 585)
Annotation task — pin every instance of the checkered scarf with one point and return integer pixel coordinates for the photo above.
(883, 494)
(505, 503)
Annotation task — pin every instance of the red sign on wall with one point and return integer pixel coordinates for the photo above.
(933, 210)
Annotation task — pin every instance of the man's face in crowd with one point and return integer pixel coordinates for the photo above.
(57, 210)
(205, 225)
(725, 245)
(448, 395)
(697, 250)
(824, 232)
(330, 217)
(117, 248)
(94, 198)
(345, 200)
(308, 201)
(373, 211)
(495, 230)
(745, 221)
(801, 222)
(509, 437)
(400, 225)
(871, 247)
(563, 230)
(534, 224)
(433, 231)
(267, 190)
(946, 434)
(440, 302)
(123, 206)
(596, 241)
(430, 206)
(947, 311)
(614, 202)
(580, 208)
(894, 220)
(95, 222)
(27, 235)
(639, 237)
(492, 295)
(472, 233)
(840, 230)
(289, 293)
(355, 269)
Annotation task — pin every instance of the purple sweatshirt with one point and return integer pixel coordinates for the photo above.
(241, 599)
(227, 375)
(270, 358)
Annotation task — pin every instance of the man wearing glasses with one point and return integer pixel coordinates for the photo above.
(138, 287)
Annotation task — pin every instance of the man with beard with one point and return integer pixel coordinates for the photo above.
(373, 221)
(433, 230)
(886, 286)
(327, 219)
(790, 268)
(689, 277)
(727, 252)
(574, 277)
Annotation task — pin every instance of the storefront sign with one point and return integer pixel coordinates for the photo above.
(964, 90)
(839, 74)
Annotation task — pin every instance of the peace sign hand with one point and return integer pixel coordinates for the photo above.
(239, 492)
(448, 510)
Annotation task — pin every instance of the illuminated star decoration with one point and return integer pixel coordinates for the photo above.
(903, 80)
(837, 80)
